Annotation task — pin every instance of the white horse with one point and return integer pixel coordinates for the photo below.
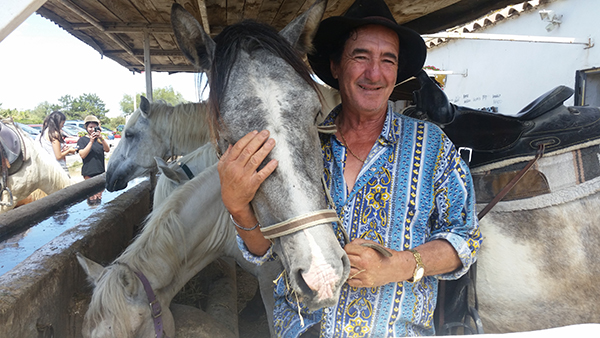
(155, 130)
(178, 240)
(539, 265)
(39, 171)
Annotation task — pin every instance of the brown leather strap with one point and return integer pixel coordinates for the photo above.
(512, 183)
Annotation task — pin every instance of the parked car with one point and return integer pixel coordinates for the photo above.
(28, 130)
(109, 133)
(79, 123)
(36, 126)
(74, 130)
(70, 137)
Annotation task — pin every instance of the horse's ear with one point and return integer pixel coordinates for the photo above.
(127, 279)
(145, 106)
(91, 268)
(164, 168)
(196, 45)
(303, 28)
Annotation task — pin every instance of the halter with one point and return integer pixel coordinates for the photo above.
(155, 308)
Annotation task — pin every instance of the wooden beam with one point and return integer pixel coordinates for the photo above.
(117, 27)
(87, 17)
(204, 15)
(169, 68)
(140, 52)
(14, 12)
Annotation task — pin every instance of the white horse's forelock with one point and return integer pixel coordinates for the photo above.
(184, 125)
(108, 302)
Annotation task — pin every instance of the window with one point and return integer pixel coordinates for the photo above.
(587, 83)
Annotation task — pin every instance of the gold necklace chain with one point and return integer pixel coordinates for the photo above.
(347, 147)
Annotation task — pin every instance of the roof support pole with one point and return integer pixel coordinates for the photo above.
(147, 65)
(204, 16)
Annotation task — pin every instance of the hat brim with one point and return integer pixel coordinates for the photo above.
(412, 51)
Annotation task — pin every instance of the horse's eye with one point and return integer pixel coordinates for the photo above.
(128, 134)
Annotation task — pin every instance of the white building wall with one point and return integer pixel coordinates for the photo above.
(509, 75)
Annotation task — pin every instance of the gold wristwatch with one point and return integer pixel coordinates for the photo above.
(419, 269)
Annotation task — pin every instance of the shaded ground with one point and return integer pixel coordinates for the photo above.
(252, 319)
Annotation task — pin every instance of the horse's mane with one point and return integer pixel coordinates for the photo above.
(184, 125)
(248, 36)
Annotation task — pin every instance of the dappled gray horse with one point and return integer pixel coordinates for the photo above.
(259, 81)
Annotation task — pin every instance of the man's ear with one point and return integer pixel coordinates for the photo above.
(334, 69)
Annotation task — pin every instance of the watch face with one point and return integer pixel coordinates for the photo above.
(419, 274)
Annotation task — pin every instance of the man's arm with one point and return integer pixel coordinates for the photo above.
(369, 268)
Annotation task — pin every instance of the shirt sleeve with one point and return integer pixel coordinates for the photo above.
(270, 255)
(82, 142)
(454, 218)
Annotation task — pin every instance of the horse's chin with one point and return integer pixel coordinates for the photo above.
(118, 179)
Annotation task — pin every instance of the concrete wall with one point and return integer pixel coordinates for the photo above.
(509, 75)
(47, 294)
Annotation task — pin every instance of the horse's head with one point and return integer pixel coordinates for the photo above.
(119, 306)
(140, 143)
(259, 81)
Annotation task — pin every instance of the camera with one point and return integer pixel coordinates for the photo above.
(97, 129)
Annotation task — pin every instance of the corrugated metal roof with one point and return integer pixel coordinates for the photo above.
(488, 20)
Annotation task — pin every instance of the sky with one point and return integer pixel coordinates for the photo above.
(39, 61)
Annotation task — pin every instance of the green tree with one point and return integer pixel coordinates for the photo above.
(85, 104)
(167, 94)
(39, 113)
(115, 121)
(66, 103)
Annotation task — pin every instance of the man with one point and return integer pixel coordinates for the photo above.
(395, 181)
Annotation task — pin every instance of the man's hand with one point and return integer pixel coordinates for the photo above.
(238, 170)
(369, 268)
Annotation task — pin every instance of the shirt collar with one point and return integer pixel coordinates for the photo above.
(390, 126)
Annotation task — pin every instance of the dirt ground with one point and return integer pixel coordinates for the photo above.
(252, 318)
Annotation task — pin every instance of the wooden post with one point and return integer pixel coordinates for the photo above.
(148, 65)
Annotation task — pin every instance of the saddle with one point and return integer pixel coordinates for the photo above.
(494, 137)
(11, 151)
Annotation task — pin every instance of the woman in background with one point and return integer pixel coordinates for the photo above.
(52, 140)
(92, 148)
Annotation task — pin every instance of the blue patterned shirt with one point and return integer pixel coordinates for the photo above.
(412, 189)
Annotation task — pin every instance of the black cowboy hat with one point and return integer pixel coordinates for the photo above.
(412, 51)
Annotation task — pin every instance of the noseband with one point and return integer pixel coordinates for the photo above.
(299, 223)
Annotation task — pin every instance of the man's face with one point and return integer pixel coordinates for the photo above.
(368, 69)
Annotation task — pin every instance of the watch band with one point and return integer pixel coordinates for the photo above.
(419, 266)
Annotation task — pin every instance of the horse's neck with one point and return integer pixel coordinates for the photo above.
(182, 236)
(185, 128)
